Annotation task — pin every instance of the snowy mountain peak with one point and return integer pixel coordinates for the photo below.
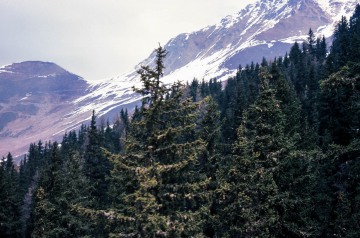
(335, 8)
(266, 28)
(35, 69)
(28, 67)
(217, 50)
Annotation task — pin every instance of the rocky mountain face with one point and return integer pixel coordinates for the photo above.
(35, 98)
(40, 100)
(267, 28)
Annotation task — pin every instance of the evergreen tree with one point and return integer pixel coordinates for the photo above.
(46, 214)
(193, 90)
(97, 166)
(321, 49)
(339, 53)
(354, 32)
(10, 225)
(82, 138)
(163, 197)
(204, 89)
(42, 211)
(75, 193)
(210, 160)
(248, 193)
(340, 105)
(311, 42)
(296, 69)
(289, 102)
(58, 195)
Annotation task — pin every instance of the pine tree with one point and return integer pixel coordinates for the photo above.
(75, 193)
(339, 53)
(230, 103)
(340, 105)
(289, 102)
(58, 196)
(296, 69)
(193, 90)
(311, 41)
(256, 198)
(248, 194)
(97, 166)
(42, 211)
(46, 213)
(210, 160)
(204, 89)
(354, 32)
(321, 49)
(82, 138)
(10, 224)
(161, 190)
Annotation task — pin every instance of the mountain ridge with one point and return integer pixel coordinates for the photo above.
(216, 51)
(34, 97)
(245, 28)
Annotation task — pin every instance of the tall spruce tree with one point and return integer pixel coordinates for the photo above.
(210, 160)
(339, 53)
(47, 213)
(10, 224)
(97, 166)
(248, 193)
(161, 191)
(340, 105)
(354, 31)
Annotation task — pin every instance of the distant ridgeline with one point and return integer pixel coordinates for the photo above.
(273, 153)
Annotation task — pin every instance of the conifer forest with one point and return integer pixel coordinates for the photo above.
(271, 152)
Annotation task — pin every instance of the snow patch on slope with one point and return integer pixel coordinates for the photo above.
(336, 9)
(208, 60)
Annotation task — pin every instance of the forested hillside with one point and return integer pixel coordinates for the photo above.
(273, 152)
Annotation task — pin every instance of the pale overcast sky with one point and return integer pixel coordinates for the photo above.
(100, 38)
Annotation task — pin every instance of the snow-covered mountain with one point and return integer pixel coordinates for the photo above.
(267, 28)
(41, 101)
(35, 99)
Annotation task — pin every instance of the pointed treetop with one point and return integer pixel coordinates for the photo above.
(160, 55)
(265, 77)
(152, 89)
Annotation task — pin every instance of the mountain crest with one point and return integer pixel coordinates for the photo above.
(33, 68)
(267, 28)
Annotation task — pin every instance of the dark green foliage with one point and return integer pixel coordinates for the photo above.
(271, 152)
(249, 192)
(288, 101)
(321, 49)
(340, 108)
(340, 49)
(340, 191)
(193, 90)
(160, 195)
(238, 94)
(10, 225)
(61, 187)
(96, 166)
(354, 31)
(210, 159)
(311, 43)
